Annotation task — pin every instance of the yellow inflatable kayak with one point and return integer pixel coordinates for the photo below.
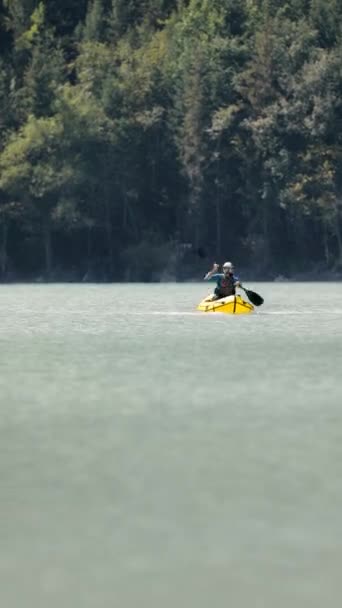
(231, 305)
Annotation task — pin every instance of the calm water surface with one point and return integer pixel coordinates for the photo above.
(155, 456)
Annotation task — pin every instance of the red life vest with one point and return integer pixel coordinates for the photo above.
(226, 286)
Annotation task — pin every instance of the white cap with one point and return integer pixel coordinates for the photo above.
(228, 265)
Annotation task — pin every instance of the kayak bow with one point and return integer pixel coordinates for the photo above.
(231, 305)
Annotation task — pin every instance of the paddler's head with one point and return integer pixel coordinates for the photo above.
(228, 268)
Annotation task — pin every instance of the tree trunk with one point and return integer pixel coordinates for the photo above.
(3, 250)
(218, 226)
(266, 223)
(109, 238)
(196, 220)
(125, 210)
(89, 248)
(47, 247)
(326, 243)
(339, 241)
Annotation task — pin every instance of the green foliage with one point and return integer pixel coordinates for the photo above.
(43, 78)
(29, 36)
(27, 171)
(326, 18)
(128, 127)
(94, 23)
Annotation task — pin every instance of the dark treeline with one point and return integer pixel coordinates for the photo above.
(146, 138)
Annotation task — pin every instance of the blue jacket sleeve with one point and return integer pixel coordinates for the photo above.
(215, 277)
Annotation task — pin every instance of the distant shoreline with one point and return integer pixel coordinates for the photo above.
(246, 277)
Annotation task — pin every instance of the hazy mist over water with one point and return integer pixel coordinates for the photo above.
(156, 456)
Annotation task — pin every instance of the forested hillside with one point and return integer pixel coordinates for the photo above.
(141, 139)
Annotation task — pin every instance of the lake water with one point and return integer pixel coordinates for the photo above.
(152, 456)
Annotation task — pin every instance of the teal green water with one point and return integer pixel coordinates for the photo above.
(155, 456)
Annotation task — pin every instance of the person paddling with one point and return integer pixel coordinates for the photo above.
(227, 282)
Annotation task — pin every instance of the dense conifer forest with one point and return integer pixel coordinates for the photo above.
(144, 139)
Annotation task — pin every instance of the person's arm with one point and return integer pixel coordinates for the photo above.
(237, 282)
(211, 272)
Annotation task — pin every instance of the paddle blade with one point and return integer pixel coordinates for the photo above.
(254, 297)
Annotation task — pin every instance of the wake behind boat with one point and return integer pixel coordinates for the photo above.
(230, 305)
